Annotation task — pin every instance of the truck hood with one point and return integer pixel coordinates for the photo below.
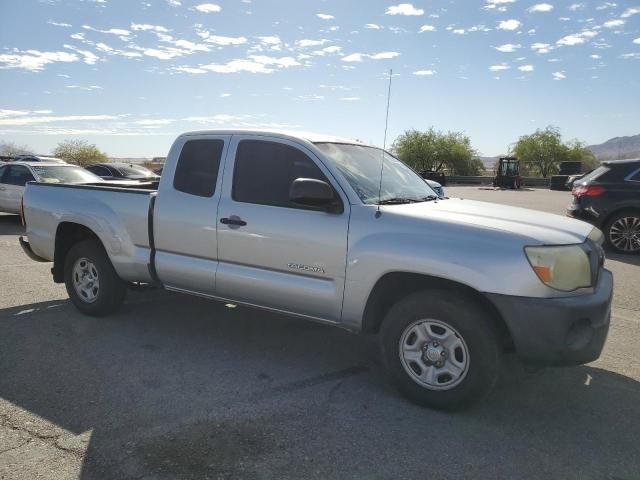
(534, 226)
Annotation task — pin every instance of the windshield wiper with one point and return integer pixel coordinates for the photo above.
(398, 201)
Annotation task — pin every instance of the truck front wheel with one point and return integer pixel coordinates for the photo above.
(440, 349)
(92, 283)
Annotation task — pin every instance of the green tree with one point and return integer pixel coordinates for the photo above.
(79, 152)
(11, 149)
(541, 151)
(577, 151)
(436, 150)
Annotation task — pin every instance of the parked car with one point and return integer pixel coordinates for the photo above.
(438, 177)
(304, 225)
(436, 187)
(120, 171)
(14, 176)
(609, 198)
(37, 158)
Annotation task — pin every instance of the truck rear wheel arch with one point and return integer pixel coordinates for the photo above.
(67, 235)
(391, 287)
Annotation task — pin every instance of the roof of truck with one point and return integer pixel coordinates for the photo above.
(308, 136)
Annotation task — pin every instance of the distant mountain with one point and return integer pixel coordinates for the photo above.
(617, 148)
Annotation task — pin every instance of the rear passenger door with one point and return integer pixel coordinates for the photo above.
(275, 254)
(185, 214)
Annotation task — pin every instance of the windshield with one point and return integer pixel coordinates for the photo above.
(64, 174)
(360, 166)
(135, 171)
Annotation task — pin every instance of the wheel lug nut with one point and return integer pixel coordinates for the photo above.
(443, 353)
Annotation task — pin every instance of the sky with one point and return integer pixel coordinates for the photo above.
(130, 75)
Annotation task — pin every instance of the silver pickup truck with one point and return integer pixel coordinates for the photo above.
(306, 225)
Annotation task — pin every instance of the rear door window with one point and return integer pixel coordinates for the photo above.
(198, 165)
(17, 175)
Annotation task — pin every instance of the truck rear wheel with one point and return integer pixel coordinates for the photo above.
(440, 349)
(92, 283)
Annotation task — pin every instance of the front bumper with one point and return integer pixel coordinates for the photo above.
(559, 331)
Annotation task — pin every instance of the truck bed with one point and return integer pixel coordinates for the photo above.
(118, 215)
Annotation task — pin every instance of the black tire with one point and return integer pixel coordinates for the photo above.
(111, 290)
(629, 214)
(465, 318)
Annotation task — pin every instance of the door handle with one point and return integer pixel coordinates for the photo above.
(233, 220)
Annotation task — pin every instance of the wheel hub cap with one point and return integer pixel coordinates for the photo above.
(434, 354)
(86, 280)
(625, 234)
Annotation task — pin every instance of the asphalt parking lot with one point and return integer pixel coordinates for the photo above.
(178, 387)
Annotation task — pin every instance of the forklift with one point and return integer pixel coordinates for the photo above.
(508, 173)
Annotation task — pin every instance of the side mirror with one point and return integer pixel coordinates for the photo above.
(312, 193)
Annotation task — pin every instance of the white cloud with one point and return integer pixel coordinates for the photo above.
(383, 55)
(325, 16)
(372, 26)
(89, 57)
(509, 24)
(606, 5)
(526, 68)
(358, 57)
(225, 95)
(427, 28)
(498, 68)
(185, 69)
(499, 2)
(113, 31)
(541, 8)
(508, 47)
(208, 8)
(58, 24)
(159, 121)
(576, 38)
(576, 6)
(630, 56)
(613, 23)
(459, 31)
(31, 120)
(630, 12)
(541, 47)
(271, 40)
(331, 49)
(34, 60)
(224, 41)
(597, 57)
(174, 3)
(143, 27)
(311, 43)
(637, 41)
(404, 9)
(558, 75)
(424, 73)
(235, 66)
(89, 88)
(354, 57)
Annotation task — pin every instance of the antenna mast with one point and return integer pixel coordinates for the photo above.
(384, 145)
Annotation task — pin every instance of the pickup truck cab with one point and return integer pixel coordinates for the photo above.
(303, 224)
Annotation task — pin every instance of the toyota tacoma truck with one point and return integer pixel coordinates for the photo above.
(312, 226)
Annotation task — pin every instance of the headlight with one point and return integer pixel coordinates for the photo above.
(564, 268)
(596, 236)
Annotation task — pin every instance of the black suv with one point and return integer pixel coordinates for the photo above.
(609, 198)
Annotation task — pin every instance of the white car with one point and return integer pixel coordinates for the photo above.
(15, 175)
